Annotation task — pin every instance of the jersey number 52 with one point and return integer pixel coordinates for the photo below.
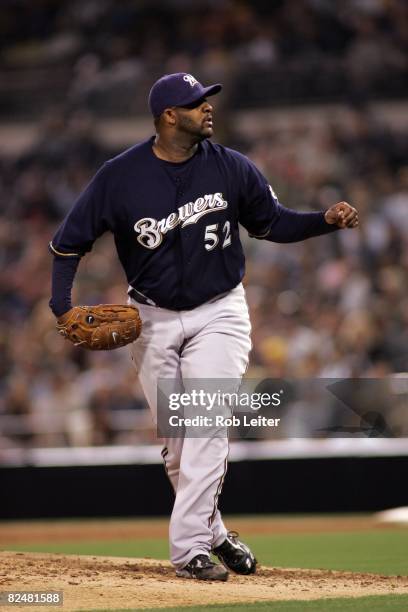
(211, 237)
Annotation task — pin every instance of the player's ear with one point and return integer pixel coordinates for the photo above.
(169, 116)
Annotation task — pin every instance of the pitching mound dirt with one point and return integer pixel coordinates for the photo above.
(91, 583)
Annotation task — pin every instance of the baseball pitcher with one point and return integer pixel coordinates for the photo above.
(174, 204)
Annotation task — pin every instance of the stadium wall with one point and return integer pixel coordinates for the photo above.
(325, 485)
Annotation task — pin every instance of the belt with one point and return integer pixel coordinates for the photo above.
(140, 298)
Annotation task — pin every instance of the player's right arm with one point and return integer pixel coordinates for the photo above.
(88, 219)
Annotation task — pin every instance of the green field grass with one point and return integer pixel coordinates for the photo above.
(386, 603)
(380, 551)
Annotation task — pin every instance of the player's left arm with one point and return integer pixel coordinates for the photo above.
(293, 226)
(265, 218)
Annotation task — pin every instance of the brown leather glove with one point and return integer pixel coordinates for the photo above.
(100, 328)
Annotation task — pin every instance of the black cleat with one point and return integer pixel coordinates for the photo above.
(202, 568)
(236, 555)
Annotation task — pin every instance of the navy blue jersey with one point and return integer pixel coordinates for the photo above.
(176, 225)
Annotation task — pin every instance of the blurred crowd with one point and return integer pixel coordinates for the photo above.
(102, 53)
(333, 307)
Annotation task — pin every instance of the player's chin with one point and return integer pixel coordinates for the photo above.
(207, 131)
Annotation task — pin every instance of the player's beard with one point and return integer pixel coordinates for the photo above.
(197, 131)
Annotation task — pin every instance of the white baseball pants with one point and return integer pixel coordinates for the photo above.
(212, 341)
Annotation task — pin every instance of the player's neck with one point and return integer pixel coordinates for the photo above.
(174, 149)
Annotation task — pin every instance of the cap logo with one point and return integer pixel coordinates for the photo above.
(190, 79)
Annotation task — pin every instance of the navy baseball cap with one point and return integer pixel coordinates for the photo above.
(179, 89)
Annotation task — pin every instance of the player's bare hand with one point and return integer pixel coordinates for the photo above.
(342, 214)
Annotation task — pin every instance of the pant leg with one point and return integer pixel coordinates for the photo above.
(155, 355)
(171, 454)
(217, 348)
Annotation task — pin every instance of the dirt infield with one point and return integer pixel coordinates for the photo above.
(93, 529)
(92, 583)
